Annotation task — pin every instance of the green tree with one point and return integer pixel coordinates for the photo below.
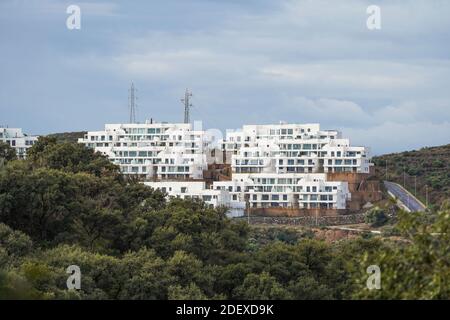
(70, 157)
(7, 153)
(13, 245)
(191, 292)
(376, 217)
(261, 286)
(145, 276)
(417, 267)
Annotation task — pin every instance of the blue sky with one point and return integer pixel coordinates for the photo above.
(247, 62)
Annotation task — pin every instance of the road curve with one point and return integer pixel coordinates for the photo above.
(404, 196)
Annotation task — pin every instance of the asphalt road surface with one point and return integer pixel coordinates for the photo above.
(407, 199)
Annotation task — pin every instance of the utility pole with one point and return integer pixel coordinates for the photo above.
(187, 105)
(415, 186)
(404, 178)
(132, 103)
(386, 169)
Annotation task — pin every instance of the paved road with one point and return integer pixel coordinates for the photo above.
(405, 197)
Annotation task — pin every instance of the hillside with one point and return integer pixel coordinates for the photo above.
(68, 136)
(419, 170)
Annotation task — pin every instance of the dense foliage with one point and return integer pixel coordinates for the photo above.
(423, 171)
(66, 205)
(376, 217)
(7, 153)
(67, 136)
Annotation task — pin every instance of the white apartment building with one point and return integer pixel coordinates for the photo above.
(292, 148)
(153, 150)
(286, 190)
(197, 190)
(17, 140)
(284, 165)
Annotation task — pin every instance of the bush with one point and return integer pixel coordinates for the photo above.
(376, 217)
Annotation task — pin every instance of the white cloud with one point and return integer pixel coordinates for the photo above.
(391, 136)
(247, 62)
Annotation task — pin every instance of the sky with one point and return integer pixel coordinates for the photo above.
(246, 62)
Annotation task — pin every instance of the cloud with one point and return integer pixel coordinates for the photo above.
(394, 137)
(45, 9)
(246, 61)
(407, 125)
(356, 74)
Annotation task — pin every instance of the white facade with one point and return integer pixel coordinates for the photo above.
(192, 189)
(286, 190)
(292, 148)
(17, 140)
(285, 165)
(282, 165)
(198, 190)
(152, 150)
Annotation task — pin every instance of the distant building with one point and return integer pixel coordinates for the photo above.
(17, 140)
(286, 190)
(272, 166)
(152, 150)
(292, 148)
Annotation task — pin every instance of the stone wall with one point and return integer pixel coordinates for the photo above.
(294, 212)
(308, 220)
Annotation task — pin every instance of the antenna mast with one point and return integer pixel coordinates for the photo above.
(132, 103)
(187, 105)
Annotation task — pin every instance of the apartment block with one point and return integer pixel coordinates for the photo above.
(271, 166)
(18, 140)
(292, 148)
(286, 190)
(153, 150)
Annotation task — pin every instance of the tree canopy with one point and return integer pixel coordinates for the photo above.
(67, 205)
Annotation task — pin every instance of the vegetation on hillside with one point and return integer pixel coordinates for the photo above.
(427, 169)
(67, 136)
(66, 205)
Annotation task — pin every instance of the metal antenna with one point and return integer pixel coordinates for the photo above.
(132, 103)
(187, 105)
